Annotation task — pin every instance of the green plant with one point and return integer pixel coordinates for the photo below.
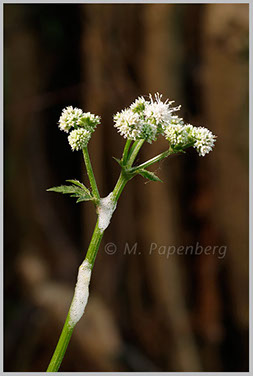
(143, 121)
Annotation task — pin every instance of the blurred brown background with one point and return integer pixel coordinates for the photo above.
(145, 312)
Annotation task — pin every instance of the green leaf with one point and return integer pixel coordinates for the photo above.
(62, 189)
(119, 161)
(82, 193)
(79, 184)
(82, 198)
(148, 175)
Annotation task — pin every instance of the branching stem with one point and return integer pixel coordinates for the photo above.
(92, 250)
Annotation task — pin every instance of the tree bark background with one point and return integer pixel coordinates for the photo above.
(146, 312)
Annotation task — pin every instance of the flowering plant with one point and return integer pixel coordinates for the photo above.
(144, 120)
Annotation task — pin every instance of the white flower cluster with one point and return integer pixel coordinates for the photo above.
(79, 138)
(181, 135)
(84, 124)
(69, 118)
(178, 134)
(128, 124)
(88, 121)
(204, 140)
(145, 119)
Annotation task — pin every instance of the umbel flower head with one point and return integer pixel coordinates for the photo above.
(204, 140)
(147, 119)
(182, 135)
(178, 134)
(84, 124)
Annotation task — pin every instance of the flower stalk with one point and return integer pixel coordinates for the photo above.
(135, 151)
(90, 173)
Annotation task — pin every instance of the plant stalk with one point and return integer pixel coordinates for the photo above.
(90, 173)
(158, 158)
(128, 157)
(61, 347)
(90, 258)
(134, 151)
(68, 329)
(125, 152)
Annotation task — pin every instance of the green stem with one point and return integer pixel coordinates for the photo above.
(132, 148)
(125, 152)
(61, 347)
(120, 186)
(94, 245)
(90, 173)
(134, 151)
(68, 329)
(158, 158)
(98, 234)
(90, 257)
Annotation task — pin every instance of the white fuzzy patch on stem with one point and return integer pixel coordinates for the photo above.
(81, 293)
(105, 211)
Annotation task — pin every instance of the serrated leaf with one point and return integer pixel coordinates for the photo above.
(63, 189)
(79, 184)
(74, 191)
(82, 198)
(149, 175)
